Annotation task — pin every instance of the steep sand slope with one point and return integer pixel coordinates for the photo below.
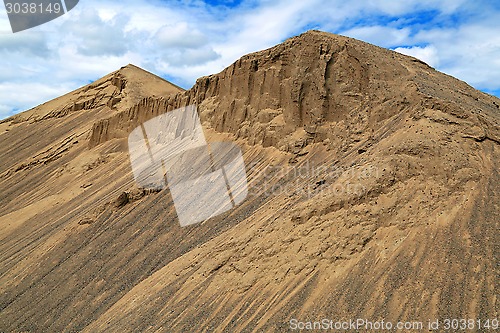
(374, 194)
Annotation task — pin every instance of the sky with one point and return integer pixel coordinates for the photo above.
(182, 40)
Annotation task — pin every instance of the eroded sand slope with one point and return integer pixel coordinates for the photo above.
(374, 193)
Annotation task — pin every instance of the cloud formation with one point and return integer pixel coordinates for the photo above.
(183, 40)
(427, 54)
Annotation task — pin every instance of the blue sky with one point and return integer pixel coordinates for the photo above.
(182, 40)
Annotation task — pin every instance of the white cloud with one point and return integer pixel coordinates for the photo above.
(180, 36)
(428, 54)
(395, 8)
(27, 43)
(469, 52)
(184, 46)
(97, 37)
(379, 35)
(190, 57)
(5, 111)
(14, 94)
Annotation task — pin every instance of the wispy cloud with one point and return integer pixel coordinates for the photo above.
(184, 39)
(428, 54)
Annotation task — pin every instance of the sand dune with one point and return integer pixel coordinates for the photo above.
(374, 193)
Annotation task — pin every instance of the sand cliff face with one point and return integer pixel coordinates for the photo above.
(374, 194)
(297, 92)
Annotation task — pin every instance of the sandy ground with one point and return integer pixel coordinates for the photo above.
(373, 187)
